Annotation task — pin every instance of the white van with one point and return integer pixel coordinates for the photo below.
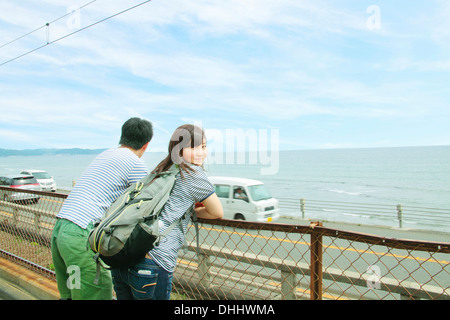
(43, 178)
(245, 199)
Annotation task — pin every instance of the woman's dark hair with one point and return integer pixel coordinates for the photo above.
(185, 136)
(135, 133)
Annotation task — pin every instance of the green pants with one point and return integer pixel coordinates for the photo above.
(74, 265)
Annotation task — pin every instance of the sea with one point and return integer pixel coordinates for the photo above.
(362, 186)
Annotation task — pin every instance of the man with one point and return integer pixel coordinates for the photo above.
(240, 194)
(106, 178)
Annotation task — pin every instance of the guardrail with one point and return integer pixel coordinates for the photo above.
(397, 215)
(245, 260)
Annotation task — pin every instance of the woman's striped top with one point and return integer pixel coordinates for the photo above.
(106, 178)
(194, 187)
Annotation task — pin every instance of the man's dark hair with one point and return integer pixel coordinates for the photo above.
(135, 133)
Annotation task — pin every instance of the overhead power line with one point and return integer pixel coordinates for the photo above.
(67, 35)
(46, 25)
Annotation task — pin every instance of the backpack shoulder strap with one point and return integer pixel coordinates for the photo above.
(195, 221)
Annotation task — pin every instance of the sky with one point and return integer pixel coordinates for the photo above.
(284, 74)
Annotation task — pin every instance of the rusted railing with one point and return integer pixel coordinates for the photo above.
(245, 260)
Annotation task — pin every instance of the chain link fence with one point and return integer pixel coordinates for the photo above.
(245, 260)
(26, 223)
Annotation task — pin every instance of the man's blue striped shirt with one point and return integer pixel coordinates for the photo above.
(106, 178)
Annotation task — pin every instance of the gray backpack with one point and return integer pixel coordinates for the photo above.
(130, 227)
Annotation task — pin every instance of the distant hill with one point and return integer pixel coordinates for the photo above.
(40, 152)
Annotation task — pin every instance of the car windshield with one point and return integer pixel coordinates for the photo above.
(259, 192)
(41, 175)
(24, 180)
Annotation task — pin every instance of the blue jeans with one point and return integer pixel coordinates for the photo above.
(143, 281)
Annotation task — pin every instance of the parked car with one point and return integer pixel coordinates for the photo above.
(245, 199)
(43, 178)
(23, 182)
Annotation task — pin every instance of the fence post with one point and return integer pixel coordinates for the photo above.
(316, 263)
(37, 221)
(15, 213)
(302, 207)
(288, 285)
(400, 216)
(204, 263)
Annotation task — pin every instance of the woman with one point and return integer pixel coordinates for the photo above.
(152, 277)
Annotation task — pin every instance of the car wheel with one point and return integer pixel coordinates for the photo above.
(239, 216)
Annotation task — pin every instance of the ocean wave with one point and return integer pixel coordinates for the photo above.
(346, 192)
(357, 215)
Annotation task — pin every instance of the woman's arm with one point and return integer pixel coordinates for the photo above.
(212, 208)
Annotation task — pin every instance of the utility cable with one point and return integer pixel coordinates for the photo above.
(72, 33)
(46, 25)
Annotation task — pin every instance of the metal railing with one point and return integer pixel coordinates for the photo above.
(245, 260)
(397, 215)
